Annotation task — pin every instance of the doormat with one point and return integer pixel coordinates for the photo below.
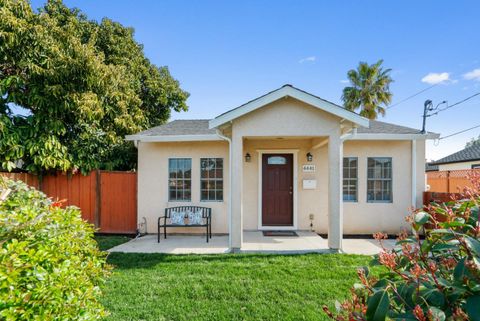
(279, 233)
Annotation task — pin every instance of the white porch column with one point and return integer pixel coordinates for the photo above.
(236, 219)
(335, 202)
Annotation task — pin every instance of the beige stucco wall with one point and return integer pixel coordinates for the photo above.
(363, 217)
(360, 217)
(153, 181)
(313, 201)
(301, 127)
(284, 118)
(457, 166)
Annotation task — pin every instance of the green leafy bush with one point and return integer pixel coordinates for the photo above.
(50, 265)
(437, 278)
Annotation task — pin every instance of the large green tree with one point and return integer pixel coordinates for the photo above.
(81, 85)
(369, 89)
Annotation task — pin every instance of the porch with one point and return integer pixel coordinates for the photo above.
(253, 242)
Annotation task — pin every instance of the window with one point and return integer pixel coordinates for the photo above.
(276, 160)
(379, 180)
(350, 178)
(211, 179)
(180, 179)
(475, 166)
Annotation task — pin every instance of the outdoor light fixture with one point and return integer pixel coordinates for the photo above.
(309, 157)
(248, 158)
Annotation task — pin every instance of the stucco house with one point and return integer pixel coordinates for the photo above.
(467, 158)
(287, 160)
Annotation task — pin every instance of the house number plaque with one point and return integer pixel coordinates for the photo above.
(308, 168)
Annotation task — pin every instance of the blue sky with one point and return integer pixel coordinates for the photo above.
(227, 52)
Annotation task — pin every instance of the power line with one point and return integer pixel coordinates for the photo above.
(460, 132)
(410, 97)
(457, 103)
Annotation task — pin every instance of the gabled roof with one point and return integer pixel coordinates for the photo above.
(181, 127)
(198, 129)
(289, 91)
(471, 153)
(178, 130)
(205, 130)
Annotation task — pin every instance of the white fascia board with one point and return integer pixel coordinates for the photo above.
(173, 138)
(294, 93)
(393, 136)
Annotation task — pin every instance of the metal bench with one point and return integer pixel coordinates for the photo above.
(206, 217)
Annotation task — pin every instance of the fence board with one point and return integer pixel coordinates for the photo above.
(77, 190)
(118, 206)
(436, 197)
(453, 181)
(28, 179)
(107, 199)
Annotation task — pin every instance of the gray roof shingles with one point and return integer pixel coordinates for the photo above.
(467, 154)
(379, 127)
(180, 127)
(200, 127)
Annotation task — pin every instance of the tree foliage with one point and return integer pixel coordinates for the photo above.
(50, 265)
(369, 89)
(473, 142)
(82, 85)
(434, 279)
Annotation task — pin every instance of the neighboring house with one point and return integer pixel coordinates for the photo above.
(431, 167)
(281, 162)
(467, 158)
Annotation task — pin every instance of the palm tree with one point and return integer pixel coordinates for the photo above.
(369, 89)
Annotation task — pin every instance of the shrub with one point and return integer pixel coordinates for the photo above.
(50, 265)
(437, 278)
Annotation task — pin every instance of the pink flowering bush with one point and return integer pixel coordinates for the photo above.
(435, 278)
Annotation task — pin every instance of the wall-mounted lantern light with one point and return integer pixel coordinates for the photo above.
(248, 158)
(309, 157)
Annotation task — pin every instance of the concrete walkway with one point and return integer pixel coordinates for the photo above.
(253, 242)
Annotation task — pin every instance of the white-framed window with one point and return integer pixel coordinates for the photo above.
(211, 179)
(350, 179)
(179, 179)
(379, 179)
(476, 166)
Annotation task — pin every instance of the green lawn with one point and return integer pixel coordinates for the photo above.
(227, 287)
(106, 242)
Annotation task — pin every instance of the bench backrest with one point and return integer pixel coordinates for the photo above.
(206, 211)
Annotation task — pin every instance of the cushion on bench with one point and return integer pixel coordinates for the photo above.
(177, 218)
(195, 217)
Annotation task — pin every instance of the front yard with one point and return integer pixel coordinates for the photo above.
(227, 287)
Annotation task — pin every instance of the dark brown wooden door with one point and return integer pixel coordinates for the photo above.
(277, 190)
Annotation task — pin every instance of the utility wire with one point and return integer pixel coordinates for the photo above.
(460, 132)
(410, 97)
(457, 103)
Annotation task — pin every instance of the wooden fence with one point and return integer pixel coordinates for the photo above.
(450, 181)
(436, 197)
(108, 199)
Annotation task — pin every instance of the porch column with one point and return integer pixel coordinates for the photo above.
(236, 219)
(335, 202)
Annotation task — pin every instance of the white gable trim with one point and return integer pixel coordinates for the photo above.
(382, 136)
(289, 91)
(173, 138)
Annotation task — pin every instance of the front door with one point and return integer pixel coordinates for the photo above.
(277, 190)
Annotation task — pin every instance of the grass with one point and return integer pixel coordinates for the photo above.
(227, 287)
(106, 242)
